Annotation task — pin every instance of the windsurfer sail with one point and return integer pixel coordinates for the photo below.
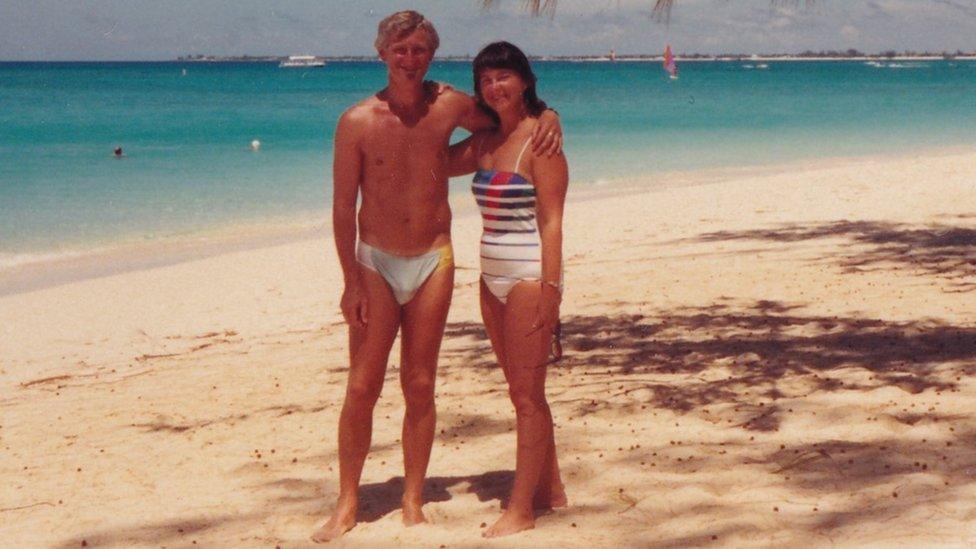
(669, 64)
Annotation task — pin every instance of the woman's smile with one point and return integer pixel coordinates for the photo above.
(501, 87)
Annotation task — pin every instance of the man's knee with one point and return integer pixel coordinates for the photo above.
(418, 391)
(362, 392)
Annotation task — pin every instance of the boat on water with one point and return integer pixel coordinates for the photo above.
(669, 64)
(302, 61)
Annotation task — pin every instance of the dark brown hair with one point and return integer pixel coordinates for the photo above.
(505, 55)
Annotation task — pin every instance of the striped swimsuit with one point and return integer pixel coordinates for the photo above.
(511, 250)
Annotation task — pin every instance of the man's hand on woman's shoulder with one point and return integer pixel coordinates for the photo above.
(547, 137)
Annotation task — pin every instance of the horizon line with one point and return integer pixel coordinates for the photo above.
(849, 53)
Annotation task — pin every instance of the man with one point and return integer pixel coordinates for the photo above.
(399, 273)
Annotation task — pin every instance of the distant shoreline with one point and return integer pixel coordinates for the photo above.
(617, 58)
(539, 58)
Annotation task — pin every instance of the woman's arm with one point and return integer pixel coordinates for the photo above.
(462, 157)
(550, 175)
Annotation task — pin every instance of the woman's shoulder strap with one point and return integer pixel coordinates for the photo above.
(518, 161)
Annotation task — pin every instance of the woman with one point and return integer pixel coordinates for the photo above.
(521, 196)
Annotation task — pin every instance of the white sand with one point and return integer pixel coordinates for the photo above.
(766, 357)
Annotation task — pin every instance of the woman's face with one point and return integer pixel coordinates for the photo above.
(502, 89)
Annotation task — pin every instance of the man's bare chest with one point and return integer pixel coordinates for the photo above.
(395, 133)
(391, 143)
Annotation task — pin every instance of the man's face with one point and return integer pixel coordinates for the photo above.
(409, 57)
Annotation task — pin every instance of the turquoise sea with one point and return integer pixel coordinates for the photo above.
(186, 128)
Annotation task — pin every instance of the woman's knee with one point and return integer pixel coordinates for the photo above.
(528, 405)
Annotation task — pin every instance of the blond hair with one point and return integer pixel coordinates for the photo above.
(402, 24)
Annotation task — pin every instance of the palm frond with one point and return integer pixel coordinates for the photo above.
(661, 10)
(535, 7)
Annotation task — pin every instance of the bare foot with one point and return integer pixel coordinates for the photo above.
(413, 513)
(509, 523)
(551, 500)
(341, 521)
(549, 495)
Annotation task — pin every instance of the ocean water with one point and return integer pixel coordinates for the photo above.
(188, 169)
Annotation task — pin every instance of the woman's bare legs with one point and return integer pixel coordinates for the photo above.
(551, 492)
(523, 354)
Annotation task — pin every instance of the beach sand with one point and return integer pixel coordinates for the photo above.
(780, 356)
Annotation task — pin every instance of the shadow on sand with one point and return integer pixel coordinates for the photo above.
(946, 251)
(726, 355)
(746, 361)
(379, 499)
(743, 359)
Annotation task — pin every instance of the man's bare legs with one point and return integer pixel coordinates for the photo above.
(369, 350)
(421, 332)
(523, 353)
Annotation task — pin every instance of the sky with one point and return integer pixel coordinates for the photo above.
(166, 29)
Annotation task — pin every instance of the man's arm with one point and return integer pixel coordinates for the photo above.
(346, 175)
(471, 117)
(547, 138)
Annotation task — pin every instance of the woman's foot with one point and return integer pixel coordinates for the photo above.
(509, 523)
(552, 499)
(341, 521)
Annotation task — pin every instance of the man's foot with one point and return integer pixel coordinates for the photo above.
(554, 499)
(341, 521)
(413, 513)
(509, 523)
